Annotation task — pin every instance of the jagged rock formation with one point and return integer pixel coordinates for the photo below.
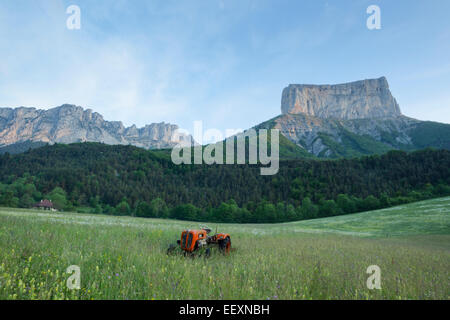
(356, 100)
(327, 121)
(352, 119)
(69, 124)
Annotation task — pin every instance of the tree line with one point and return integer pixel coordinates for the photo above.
(125, 180)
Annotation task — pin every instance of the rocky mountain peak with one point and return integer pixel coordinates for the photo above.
(70, 123)
(355, 100)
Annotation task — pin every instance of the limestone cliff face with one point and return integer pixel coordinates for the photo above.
(356, 100)
(69, 124)
(354, 118)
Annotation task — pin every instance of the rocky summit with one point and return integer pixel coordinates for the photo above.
(70, 123)
(352, 119)
(356, 100)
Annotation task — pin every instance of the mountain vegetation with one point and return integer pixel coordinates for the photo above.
(126, 180)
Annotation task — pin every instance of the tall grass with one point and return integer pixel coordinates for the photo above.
(125, 258)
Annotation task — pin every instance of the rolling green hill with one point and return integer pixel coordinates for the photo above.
(419, 218)
(431, 134)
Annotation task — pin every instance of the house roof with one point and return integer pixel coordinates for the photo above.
(44, 203)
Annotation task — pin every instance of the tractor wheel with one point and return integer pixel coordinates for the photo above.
(225, 245)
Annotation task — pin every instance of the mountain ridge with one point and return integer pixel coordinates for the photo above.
(320, 121)
(69, 123)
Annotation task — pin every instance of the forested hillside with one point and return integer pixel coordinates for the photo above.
(126, 180)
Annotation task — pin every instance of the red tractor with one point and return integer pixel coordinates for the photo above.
(198, 242)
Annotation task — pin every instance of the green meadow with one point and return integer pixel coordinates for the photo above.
(125, 257)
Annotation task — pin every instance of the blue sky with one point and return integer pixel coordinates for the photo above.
(224, 62)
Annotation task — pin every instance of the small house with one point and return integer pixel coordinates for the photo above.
(45, 205)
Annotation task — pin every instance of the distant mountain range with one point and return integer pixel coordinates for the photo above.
(324, 121)
(22, 128)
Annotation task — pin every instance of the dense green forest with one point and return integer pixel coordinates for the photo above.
(125, 180)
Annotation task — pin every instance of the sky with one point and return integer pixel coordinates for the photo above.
(223, 62)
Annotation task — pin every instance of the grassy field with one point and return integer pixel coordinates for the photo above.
(124, 257)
